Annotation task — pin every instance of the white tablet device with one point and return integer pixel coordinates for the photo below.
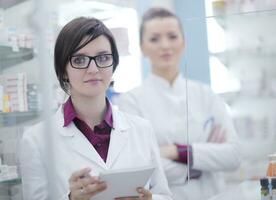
(123, 183)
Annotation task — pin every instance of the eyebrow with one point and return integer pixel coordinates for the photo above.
(98, 53)
(103, 52)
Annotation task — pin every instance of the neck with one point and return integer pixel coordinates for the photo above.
(90, 110)
(168, 74)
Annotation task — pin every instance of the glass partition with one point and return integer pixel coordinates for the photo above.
(240, 36)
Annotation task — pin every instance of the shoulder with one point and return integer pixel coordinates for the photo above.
(32, 138)
(135, 92)
(131, 97)
(34, 129)
(131, 119)
(126, 120)
(37, 131)
(200, 89)
(137, 120)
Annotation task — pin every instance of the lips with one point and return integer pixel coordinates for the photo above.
(92, 80)
(166, 55)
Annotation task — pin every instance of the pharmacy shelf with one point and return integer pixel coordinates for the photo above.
(13, 181)
(16, 118)
(245, 54)
(225, 17)
(9, 57)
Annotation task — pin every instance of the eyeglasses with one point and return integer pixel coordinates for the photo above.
(82, 61)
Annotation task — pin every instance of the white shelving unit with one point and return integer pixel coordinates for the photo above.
(250, 55)
(17, 55)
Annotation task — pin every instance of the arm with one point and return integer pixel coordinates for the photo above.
(177, 152)
(181, 154)
(127, 103)
(220, 152)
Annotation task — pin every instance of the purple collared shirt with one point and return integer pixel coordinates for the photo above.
(183, 152)
(100, 136)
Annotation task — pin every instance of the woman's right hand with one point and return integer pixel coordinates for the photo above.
(217, 135)
(83, 186)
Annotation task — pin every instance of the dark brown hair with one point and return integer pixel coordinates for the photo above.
(157, 12)
(70, 40)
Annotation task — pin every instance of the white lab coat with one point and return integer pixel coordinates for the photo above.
(132, 144)
(166, 107)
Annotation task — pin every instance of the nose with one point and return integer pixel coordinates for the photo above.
(165, 43)
(92, 67)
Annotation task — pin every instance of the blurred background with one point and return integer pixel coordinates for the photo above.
(230, 46)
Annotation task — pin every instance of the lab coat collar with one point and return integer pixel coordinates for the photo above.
(120, 122)
(118, 138)
(160, 82)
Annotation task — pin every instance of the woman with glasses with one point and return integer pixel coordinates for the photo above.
(178, 108)
(89, 135)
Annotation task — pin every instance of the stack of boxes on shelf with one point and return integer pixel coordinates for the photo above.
(13, 91)
(10, 188)
(268, 184)
(237, 6)
(8, 172)
(16, 95)
(9, 140)
(33, 97)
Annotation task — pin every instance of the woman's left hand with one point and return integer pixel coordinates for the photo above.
(144, 194)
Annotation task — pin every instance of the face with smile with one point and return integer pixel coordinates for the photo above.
(91, 81)
(163, 44)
